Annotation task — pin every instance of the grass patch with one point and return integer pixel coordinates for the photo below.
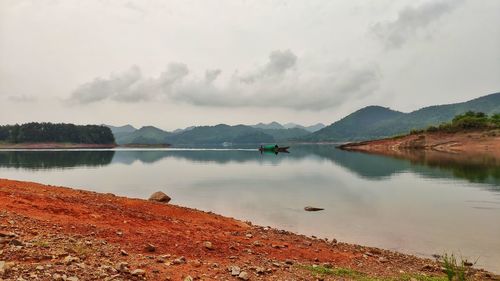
(338, 271)
(455, 270)
(419, 277)
(41, 244)
(360, 276)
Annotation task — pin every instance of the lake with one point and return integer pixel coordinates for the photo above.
(414, 206)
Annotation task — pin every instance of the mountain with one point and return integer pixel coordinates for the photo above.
(216, 135)
(280, 135)
(272, 125)
(315, 128)
(206, 135)
(278, 126)
(121, 129)
(377, 122)
(144, 135)
(177, 131)
(312, 128)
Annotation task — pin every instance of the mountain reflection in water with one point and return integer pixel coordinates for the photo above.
(417, 202)
(480, 169)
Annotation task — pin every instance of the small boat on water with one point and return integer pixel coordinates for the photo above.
(273, 148)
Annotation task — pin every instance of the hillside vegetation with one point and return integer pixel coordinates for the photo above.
(374, 122)
(468, 121)
(145, 135)
(371, 122)
(57, 133)
(206, 135)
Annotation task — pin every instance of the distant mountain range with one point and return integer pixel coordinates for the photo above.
(212, 135)
(374, 122)
(370, 122)
(144, 135)
(276, 125)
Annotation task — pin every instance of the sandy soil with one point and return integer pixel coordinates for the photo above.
(58, 233)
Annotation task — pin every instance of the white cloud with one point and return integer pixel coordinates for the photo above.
(281, 82)
(130, 85)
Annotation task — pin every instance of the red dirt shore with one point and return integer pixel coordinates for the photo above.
(469, 143)
(58, 233)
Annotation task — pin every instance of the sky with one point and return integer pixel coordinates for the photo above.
(174, 64)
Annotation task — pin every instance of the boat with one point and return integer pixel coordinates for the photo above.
(273, 148)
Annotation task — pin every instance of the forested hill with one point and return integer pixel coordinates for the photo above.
(56, 133)
(374, 122)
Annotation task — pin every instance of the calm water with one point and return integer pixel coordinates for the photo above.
(420, 206)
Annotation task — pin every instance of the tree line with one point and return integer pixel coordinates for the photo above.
(61, 133)
(469, 120)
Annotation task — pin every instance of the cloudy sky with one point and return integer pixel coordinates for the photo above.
(177, 63)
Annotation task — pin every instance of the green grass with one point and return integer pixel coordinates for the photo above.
(419, 277)
(455, 270)
(338, 271)
(41, 244)
(360, 276)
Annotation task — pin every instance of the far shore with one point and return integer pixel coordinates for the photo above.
(473, 142)
(55, 231)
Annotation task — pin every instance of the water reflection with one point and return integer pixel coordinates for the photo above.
(36, 160)
(421, 203)
(431, 164)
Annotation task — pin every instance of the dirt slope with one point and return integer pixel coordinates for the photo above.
(47, 233)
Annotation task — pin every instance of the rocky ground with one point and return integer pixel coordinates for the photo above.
(57, 233)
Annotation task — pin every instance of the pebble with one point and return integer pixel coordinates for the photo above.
(70, 259)
(312, 209)
(188, 278)
(243, 275)
(208, 245)
(16, 242)
(138, 272)
(260, 270)
(160, 197)
(150, 248)
(383, 259)
(180, 260)
(122, 267)
(235, 270)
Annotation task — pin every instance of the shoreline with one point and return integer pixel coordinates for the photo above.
(471, 143)
(89, 235)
